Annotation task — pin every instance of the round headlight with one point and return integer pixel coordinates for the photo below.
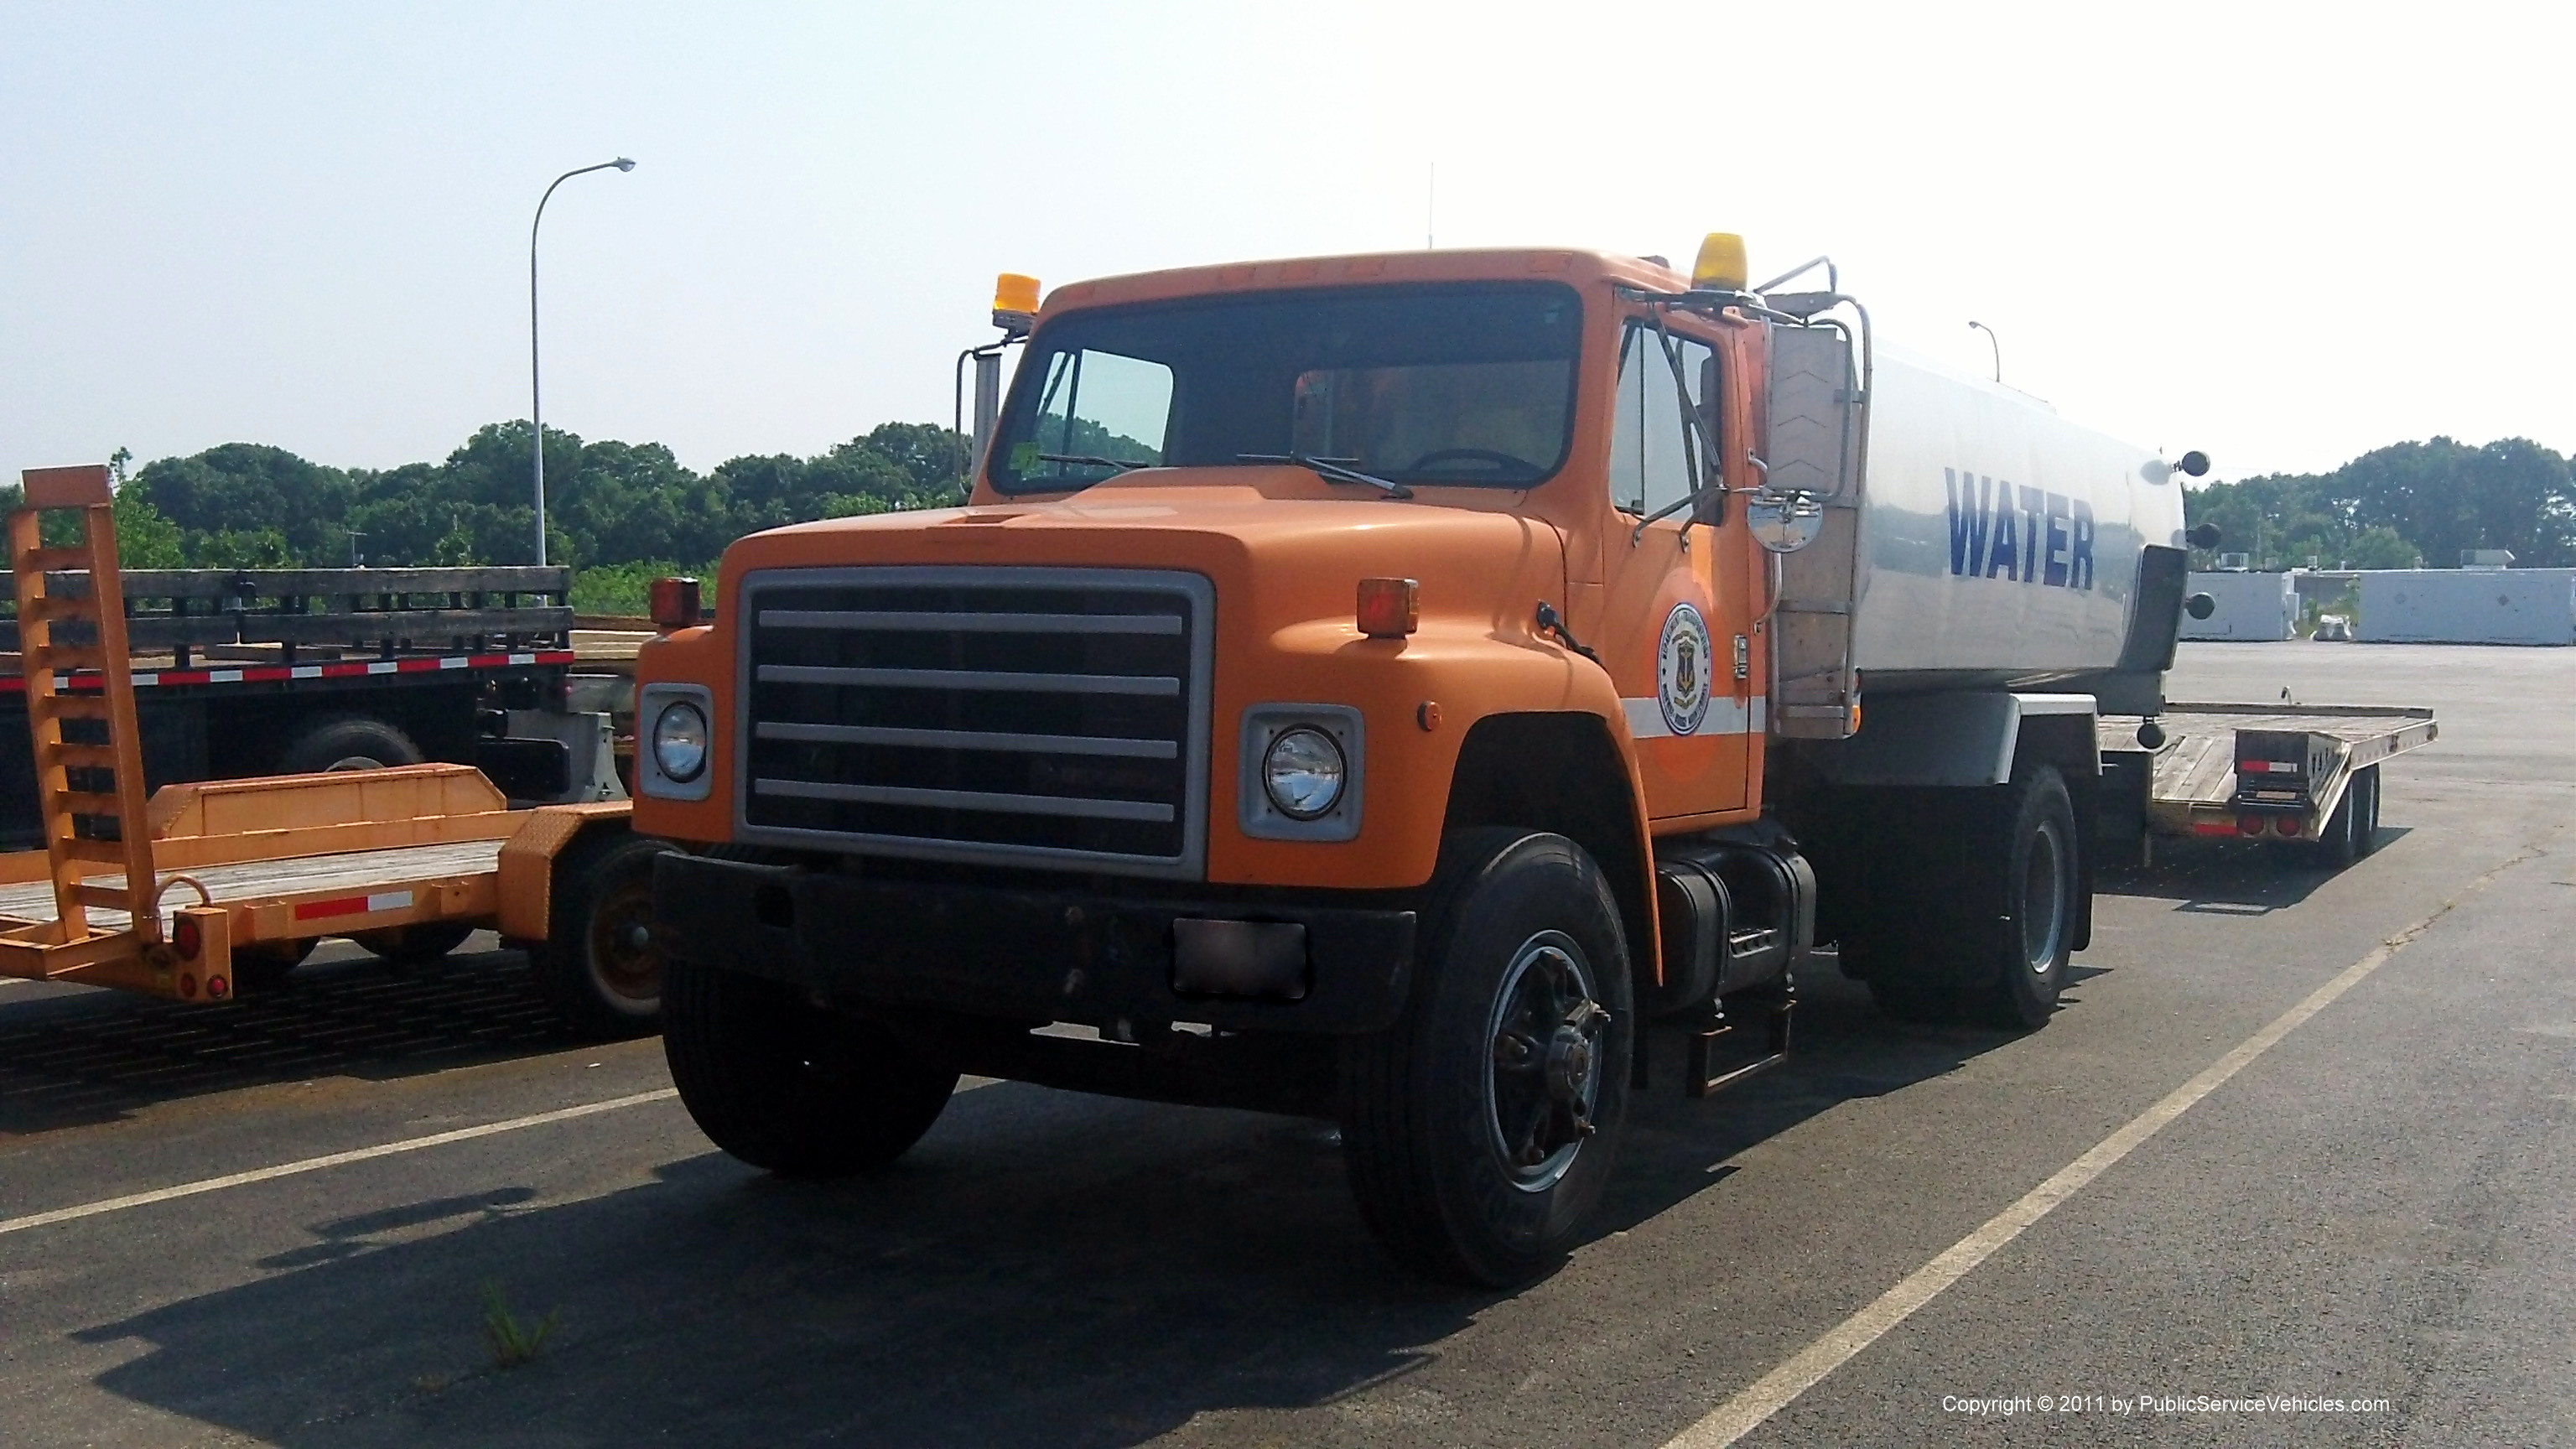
(1303, 771)
(680, 741)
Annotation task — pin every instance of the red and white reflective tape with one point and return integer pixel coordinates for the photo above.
(90, 679)
(353, 905)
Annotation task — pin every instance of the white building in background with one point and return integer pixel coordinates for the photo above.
(2463, 606)
(2249, 606)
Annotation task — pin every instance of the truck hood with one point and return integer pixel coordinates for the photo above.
(1280, 548)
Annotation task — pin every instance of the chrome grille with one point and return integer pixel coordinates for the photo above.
(1029, 716)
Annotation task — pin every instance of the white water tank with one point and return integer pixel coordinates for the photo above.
(2249, 606)
(2469, 606)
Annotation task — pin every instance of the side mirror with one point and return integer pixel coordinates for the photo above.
(2195, 463)
(2204, 538)
(2200, 606)
(1784, 522)
(1809, 428)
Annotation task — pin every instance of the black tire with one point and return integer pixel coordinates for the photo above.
(1469, 1166)
(2338, 843)
(598, 969)
(347, 742)
(2365, 837)
(789, 1086)
(263, 968)
(1987, 909)
(417, 944)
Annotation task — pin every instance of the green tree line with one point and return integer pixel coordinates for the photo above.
(2402, 506)
(610, 506)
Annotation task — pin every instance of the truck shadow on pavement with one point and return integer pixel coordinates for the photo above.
(74, 1060)
(1044, 1269)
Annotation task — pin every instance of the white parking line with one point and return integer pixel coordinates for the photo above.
(335, 1159)
(1776, 1390)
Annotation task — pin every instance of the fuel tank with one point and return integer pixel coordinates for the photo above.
(1997, 543)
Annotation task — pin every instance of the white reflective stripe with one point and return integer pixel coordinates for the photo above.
(223, 676)
(305, 671)
(389, 901)
(142, 681)
(454, 663)
(383, 666)
(1727, 716)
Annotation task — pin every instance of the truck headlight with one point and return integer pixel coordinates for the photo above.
(680, 741)
(1303, 772)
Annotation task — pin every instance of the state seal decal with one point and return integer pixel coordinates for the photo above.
(1682, 665)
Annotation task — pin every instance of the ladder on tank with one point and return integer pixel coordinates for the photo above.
(88, 751)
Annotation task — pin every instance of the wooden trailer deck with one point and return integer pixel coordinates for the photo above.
(2195, 783)
(350, 878)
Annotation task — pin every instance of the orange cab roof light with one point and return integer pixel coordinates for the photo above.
(1015, 303)
(674, 603)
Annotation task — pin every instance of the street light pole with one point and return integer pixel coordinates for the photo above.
(536, 412)
(1992, 345)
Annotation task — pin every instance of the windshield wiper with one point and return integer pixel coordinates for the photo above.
(1331, 470)
(1123, 465)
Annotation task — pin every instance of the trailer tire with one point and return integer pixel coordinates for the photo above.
(2338, 844)
(790, 1086)
(1471, 1166)
(347, 742)
(598, 968)
(417, 944)
(2365, 838)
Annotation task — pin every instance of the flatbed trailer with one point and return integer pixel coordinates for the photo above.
(205, 890)
(242, 672)
(2290, 774)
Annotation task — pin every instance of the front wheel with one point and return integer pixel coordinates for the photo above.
(1480, 1129)
(791, 1086)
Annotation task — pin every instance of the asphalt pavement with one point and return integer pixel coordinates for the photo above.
(2264, 1178)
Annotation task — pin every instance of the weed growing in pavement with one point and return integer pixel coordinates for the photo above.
(513, 1342)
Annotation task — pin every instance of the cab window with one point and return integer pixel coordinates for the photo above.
(1655, 458)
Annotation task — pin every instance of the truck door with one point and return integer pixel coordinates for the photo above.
(1674, 626)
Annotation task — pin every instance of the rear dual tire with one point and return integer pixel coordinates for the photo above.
(1979, 924)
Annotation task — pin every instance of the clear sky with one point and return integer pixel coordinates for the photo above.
(2283, 234)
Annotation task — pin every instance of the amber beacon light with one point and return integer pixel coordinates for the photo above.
(674, 603)
(1720, 267)
(1015, 303)
(1389, 608)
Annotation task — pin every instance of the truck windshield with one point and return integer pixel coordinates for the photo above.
(1463, 383)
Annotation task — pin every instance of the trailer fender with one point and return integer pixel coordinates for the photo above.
(528, 860)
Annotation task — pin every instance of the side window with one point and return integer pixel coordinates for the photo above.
(1097, 409)
(1655, 459)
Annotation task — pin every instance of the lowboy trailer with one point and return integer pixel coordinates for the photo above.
(205, 890)
(2286, 774)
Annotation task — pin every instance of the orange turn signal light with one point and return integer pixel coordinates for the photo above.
(674, 603)
(1390, 608)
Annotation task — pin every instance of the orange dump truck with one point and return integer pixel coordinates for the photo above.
(1383, 688)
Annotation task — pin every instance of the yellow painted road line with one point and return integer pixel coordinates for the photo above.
(1776, 1390)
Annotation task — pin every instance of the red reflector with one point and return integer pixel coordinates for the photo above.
(1389, 608)
(2213, 827)
(189, 937)
(217, 988)
(2287, 825)
(674, 603)
(187, 985)
(2249, 824)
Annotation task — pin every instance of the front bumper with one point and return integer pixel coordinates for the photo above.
(1013, 954)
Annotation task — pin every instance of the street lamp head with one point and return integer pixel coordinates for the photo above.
(623, 164)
